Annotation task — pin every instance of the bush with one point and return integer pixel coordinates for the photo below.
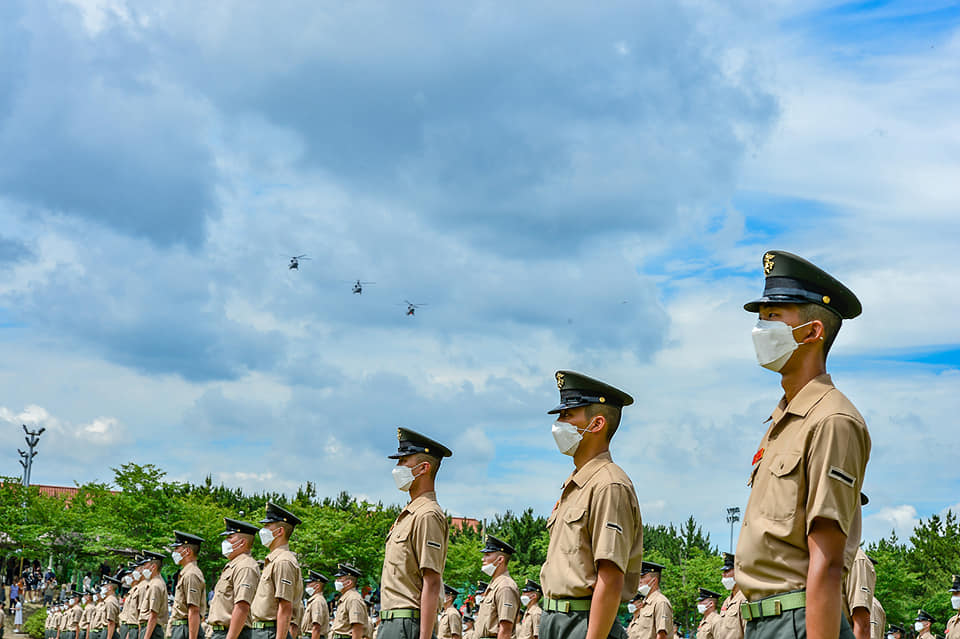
(34, 623)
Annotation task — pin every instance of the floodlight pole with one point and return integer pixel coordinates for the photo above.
(32, 438)
(733, 516)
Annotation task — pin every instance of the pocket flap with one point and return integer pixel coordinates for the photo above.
(574, 514)
(784, 464)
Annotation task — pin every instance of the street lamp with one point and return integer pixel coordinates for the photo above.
(733, 516)
(32, 438)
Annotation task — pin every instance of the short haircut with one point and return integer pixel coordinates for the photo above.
(433, 461)
(609, 413)
(830, 320)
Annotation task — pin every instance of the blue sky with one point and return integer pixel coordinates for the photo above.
(563, 186)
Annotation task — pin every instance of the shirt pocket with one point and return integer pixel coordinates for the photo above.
(572, 532)
(782, 490)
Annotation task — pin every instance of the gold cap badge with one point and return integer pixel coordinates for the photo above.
(560, 381)
(768, 263)
(826, 299)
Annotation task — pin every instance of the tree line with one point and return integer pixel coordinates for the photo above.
(139, 509)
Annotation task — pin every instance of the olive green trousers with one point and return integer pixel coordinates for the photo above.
(572, 625)
(790, 625)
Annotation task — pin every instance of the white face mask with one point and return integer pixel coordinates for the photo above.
(488, 569)
(176, 556)
(774, 343)
(310, 591)
(525, 600)
(103, 591)
(137, 574)
(955, 602)
(890, 636)
(644, 589)
(338, 585)
(147, 573)
(567, 437)
(631, 608)
(266, 536)
(73, 602)
(918, 626)
(701, 608)
(479, 599)
(128, 580)
(95, 598)
(728, 582)
(226, 548)
(403, 477)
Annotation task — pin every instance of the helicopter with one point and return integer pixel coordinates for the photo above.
(358, 286)
(295, 262)
(412, 308)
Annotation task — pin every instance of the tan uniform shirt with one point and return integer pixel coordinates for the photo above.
(926, 635)
(416, 542)
(296, 617)
(111, 611)
(656, 615)
(190, 591)
(351, 609)
(237, 583)
(318, 613)
(85, 617)
(100, 620)
(470, 633)
(708, 626)
(858, 585)
(131, 606)
(501, 602)
(530, 625)
(953, 627)
(730, 625)
(450, 624)
(597, 517)
(633, 628)
(280, 579)
(153, 598)
(810, 464)
(73, 618)
(878, 620)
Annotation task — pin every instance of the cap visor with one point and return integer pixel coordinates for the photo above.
(565, 406)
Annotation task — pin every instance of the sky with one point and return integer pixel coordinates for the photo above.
(561, 186)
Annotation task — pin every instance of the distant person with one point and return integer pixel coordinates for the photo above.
(351, 616)
(501, 602)
(656, 616)
(530, 600)
(953, 625)
(281, 581)
(707, 606)
(17, 616)
(229, 616)
(316, 615)
(858, 587)
(922, 625)
(450, 624)
(189, 596)
(731, 624)
(154, 608)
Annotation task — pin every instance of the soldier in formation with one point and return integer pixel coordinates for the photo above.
(730, 625)
(449, 625)
(190, 594)
(498, 613)
(922, 625)
(707, 607)
(351, 617)
(316, 615)
(229, 616)
(281, 581)
(953, 625)
(154, 608)
(469, 632)
(111, 607)
(859, 584)
(530, 600)
(633, 609)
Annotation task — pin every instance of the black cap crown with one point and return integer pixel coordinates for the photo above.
(111, 580)
(728, 559)
(149, 555)
(923, 615)
(895, 628)
(956, 584)
(497, 545)
(313, 576)
(793, 280)
(412, 442)
(277, 514)
(649, 566)
(182, 538)
(346, 570)
(233, 526)
(707, 594)
(450, 590)
(467, 618)
(532, 586)
(481, 586)
(578, 390)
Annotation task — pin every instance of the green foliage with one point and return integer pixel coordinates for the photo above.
(33, 626)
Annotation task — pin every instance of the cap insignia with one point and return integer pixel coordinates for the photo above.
(826, 299)
(768, 263)
(603, 400)
(399, 435)
(560, 381)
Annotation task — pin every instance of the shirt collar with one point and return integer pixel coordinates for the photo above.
(583, 475)
(276, 552)
(807, 398)
(421, 501)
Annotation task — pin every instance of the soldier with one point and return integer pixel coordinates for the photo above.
(229, 616)
(281, 582)
(895, 632)
(809, 468)
(317, 614)
(596, 535)
(72, 622)
(922, 625)
(351, 616)
(707, 606)
(469, 632)
(530, 599)
(190, 594)
(129, 621)
(501, 600)
(154, 608)
(87, 603)
(96, 616)
(730, 625)
(656, 615)
(858, 588)
(416, 547)
(111, 607)
(633, 607)
(47, 622)
(878, 620)
(953, 625)
(449, 626)
(478, 595)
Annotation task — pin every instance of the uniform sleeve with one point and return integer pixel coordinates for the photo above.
(836, 462)
(508, 604)
(285, 575)
(157, 599)
(613, 524)
(430, 540)
(456, 625)
(194, 588)
(663, 616)
(245, 581)
(860, 583)
(535, 622)
(112, 612)
(357, 612)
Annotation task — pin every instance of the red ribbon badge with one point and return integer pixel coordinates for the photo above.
(757, 457)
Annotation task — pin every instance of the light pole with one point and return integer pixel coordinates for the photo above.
(32, 438)
(733, 516)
